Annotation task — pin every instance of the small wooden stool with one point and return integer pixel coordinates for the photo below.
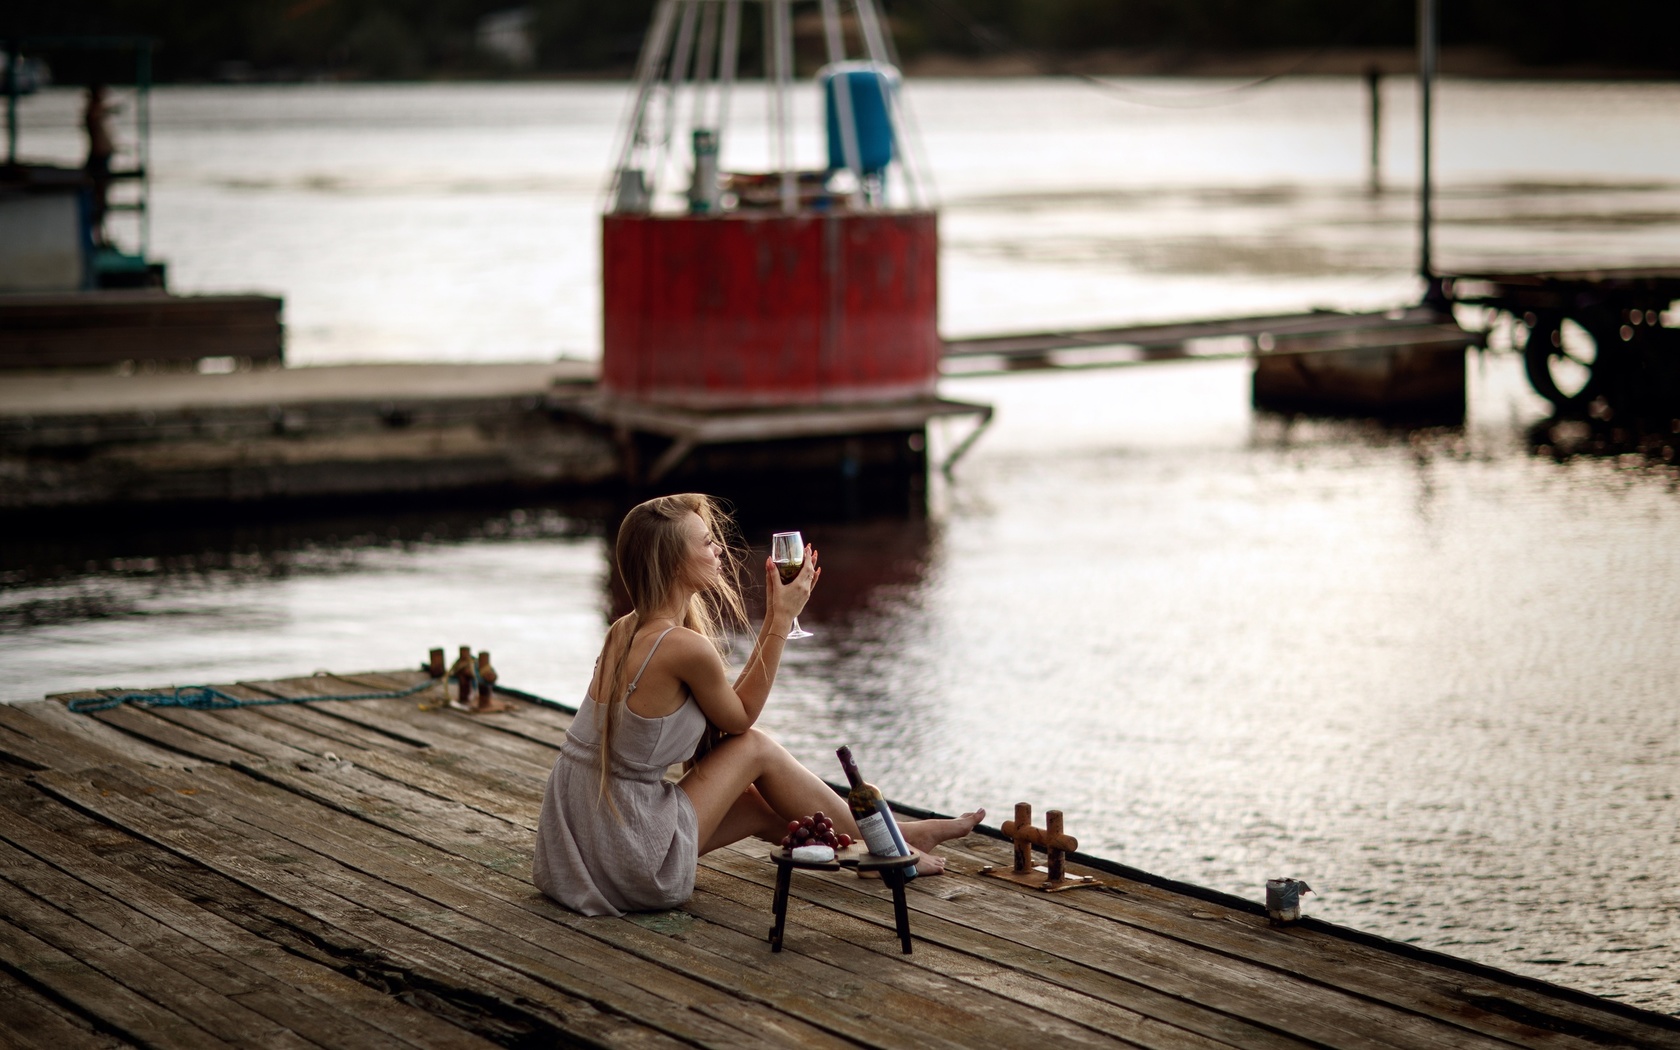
(893, 870)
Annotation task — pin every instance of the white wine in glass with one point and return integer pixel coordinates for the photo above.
(787, 550)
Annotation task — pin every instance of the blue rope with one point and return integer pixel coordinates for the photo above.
(209, 698)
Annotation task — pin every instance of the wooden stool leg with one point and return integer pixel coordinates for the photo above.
(894, 877)
(784, 876)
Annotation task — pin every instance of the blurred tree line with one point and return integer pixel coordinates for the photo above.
(402, 39)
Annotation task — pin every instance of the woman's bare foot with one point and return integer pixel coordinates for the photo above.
(924, 835)
(929, 863)
(926, 864)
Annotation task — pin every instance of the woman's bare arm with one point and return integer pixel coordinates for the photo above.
(735, 707)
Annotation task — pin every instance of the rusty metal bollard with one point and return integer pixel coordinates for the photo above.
(1283, 900)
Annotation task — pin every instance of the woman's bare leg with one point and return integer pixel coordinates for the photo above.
(926, 834)
(717, 787)
(751, 785)
(750, 816)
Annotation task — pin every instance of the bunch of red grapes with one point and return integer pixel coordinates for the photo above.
(814, 830)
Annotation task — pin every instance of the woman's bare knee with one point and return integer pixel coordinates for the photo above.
(771, 753)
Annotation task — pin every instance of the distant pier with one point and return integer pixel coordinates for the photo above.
(80, 439)
(73, 440)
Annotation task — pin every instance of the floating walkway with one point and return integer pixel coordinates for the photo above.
(357, 874)
(73, 440)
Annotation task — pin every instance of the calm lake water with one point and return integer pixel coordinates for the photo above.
(1431, 673)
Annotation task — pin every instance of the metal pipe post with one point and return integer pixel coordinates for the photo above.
(842, 86)
(14, 55)
(880, 51)
(143, 74)
(705, 56)
(1427, 45)
(728, 55)
(653, 55)
(1373, 88)
(678, 72)
(781, 48)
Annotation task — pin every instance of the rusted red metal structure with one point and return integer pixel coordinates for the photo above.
(749, 309)
(798, 304)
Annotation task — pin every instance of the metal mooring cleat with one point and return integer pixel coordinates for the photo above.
(1049, 838)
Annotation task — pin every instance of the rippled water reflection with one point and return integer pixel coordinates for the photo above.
(1428, 672)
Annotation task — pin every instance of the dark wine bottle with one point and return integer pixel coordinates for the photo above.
(874, 817)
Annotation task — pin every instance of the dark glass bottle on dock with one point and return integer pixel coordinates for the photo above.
(874, 817)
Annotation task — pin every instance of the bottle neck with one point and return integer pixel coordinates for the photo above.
(849, 765)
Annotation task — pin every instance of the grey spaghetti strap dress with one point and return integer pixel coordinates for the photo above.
(588, 858)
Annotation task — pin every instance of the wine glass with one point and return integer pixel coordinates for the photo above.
(787, 550)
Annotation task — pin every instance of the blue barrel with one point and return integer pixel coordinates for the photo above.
(868, 85)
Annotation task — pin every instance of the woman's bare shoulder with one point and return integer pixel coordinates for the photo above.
(687, 639)
(687, 650)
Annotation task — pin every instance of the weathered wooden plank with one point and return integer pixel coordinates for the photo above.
(753, 941)
(537, 723)
(213, 1009)
(527, 730)
(1130, 993)
(750, 944)
(24, 751)
(493, 825)
(309, 719)
(32, 1020)
(992, 1008)
(1034, 980)
(341, 786)
(757, 973)
(443, 765)
(403, 720)
(336, 1006)
(250, 993)
(509, 903)
(430, 771)
(1236, 987)
(305, 937)
(108, 1001)
(366, 715)
(240, 730)
(146, 725)
(519, 733)
(79, 739)
(425, 864)
(404, 819)
(432, 967)
(416, 930)
(419, 874)
(1319, 956)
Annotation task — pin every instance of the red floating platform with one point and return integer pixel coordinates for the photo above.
(753, 309)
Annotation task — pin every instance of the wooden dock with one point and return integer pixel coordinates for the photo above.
(74, 439)
(357, 874)
(106, 328)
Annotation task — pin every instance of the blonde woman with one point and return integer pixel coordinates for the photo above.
(615, 835)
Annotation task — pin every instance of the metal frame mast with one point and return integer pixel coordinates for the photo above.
(693, 46)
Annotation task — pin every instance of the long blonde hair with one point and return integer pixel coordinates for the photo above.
(650, 554)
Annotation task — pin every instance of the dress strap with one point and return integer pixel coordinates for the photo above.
(634, 682)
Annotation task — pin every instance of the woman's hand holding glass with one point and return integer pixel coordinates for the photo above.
(790, 597)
